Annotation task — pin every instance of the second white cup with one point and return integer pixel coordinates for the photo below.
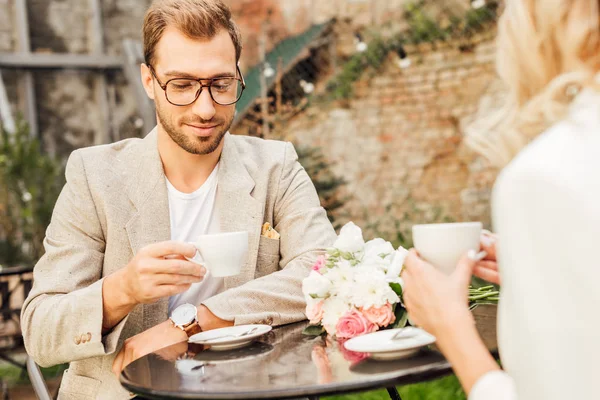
(444, 244)
(223, 254)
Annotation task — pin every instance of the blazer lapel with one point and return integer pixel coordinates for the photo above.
(151, 223)
(237, 209)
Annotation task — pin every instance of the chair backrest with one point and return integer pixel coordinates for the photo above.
(37, 380)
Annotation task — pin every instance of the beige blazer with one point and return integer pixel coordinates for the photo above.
(115, 202)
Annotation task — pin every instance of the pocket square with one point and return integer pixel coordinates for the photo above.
(269, 232)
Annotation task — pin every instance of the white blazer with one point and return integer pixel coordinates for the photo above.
(546, 211)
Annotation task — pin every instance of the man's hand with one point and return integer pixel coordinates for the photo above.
(160, 337)
(161, 270)
(157, 270)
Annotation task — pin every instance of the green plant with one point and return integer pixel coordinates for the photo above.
(342, 86)
(32, 181)
(422, 28)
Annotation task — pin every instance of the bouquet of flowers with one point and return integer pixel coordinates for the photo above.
(356, 288)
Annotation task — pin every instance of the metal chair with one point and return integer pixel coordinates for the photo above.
(37, 380)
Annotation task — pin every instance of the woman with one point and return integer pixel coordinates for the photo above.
(546, 210)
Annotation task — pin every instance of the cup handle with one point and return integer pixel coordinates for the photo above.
(198, 259)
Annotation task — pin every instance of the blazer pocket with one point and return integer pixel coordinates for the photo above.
(268, 258)
(78, 387)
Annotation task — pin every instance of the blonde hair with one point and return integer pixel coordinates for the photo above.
(547, 51)
(198, 19)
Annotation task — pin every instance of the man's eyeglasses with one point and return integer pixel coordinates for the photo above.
(184, 91)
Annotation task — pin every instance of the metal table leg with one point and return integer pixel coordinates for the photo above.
(393, 392)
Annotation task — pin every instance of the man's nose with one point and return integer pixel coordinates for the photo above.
(204, 106)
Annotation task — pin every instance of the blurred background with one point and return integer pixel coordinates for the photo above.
(375, 94)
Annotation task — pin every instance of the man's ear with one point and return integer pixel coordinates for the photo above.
(147, 80)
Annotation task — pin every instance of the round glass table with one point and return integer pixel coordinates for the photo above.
(284, 364)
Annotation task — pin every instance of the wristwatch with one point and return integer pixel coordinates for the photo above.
(185, 318)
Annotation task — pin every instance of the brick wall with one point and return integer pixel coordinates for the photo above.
(7, 37)
(400, 140)
(122, 19)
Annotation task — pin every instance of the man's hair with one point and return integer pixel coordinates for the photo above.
(198, 19)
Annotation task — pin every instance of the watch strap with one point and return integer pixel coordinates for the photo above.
(192, 328)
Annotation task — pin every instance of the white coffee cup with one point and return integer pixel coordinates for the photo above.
(444, 244)
(223, 254)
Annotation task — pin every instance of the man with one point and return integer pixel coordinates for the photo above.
(116, 254)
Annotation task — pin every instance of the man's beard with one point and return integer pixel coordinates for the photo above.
(195, 145)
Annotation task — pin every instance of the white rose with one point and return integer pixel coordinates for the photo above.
(373, 289)
(378, 247)
(333, 309)
(397, 263)
(378, 253)
(316, 285)
(345, 291)
(342, 272)
(350, 239)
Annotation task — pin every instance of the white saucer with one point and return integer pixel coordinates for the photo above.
(218, 340)
(381, 346)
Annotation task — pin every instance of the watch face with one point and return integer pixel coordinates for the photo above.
(184, 314)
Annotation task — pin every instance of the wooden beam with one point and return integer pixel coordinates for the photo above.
(96, 31)
(5, 113)
(96, 47)
(28, 102)
(22, 23)
(26, 83)
(134, 56)
(59, 60)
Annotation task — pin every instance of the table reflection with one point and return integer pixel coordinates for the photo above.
(281, 364)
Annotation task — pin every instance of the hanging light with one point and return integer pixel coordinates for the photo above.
(403, 59)
(268, 71)
(138, 123)
(361, 46)
(476, 4)
(307, 86)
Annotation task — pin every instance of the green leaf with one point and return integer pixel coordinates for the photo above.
(401, 316)
(347, 256)
(313, 330)
(314, 296)
(333, 252)
(397, 288)
(482, 303)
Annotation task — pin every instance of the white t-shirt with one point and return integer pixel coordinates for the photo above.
(192, 215)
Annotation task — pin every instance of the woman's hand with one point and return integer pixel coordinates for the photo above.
(439, 304)
(487, 269)
(434, 300)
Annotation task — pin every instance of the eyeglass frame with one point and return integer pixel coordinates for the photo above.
(202, 86)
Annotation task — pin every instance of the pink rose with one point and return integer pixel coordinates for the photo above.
(352, 356)
(381, 316)
(319, 264)
(314, 312)
(352, 324)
